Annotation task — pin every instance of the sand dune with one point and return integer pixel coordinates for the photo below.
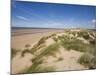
(63, 60)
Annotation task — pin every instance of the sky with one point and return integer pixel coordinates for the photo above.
(52, 15)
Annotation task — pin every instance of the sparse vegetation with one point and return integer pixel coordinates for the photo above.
(60, 59)
(27, 46)
(92, 41)
(38, 69)
(88, 60)
(14, 52)
(41, 41)
(51, 50)
(55, 39)
(84, 34)
(25, 51)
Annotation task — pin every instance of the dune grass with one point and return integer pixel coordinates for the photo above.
(51, 49)
(14, 52)
(75, 44)
(55, 39)
(36, 47)
(38, 69)
(41, 41)
(88, 60)
(59, 59)
(25, 51)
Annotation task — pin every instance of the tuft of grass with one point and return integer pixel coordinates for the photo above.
(84, 34)
(53, 35)
(38, 69)
(60, 59)
(41, 41)
(33, 68)
(47, 69)
(74, 33)
(88, 60)
(92, 41)
(55, 39)
(38, 61)
(14, 52)
(51, 49)
(25, 51)
(36, 47)
(27, 46)
(32, 50)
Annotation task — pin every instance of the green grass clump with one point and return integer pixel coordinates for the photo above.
(88, 60)
(51, 50)
(41, 41)
(53, 34)
(60, 59)
(14, 52)
(91, 33)
(55, 39)
(74, 33)
(37, 61)
(47, 69)
(84, 34)
(36, 47)
(37, 69)
(92, 41)
(27, 46)
(33, 68)
(25, 51)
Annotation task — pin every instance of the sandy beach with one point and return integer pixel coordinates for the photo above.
(21, 37)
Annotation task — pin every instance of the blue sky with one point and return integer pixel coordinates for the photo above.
(50, 15)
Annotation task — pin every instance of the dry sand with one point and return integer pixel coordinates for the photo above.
(19, 39)
(20, 63)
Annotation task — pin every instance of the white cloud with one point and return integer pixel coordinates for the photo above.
(21, 17)
(93, 21)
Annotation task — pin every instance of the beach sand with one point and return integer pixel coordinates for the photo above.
(22, 37)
